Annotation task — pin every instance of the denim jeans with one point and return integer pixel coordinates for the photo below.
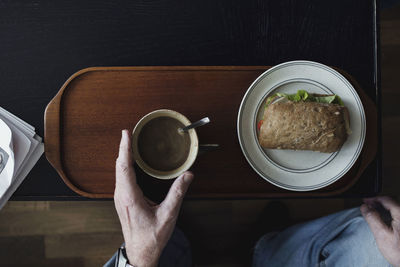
(340, 239)
(176, 253)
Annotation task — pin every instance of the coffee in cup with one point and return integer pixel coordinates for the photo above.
(160, 148)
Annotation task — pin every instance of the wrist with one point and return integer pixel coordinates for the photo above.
(142, 257)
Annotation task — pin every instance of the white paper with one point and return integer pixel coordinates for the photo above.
(21, 143)
(33, 158)
(6, 144)
(24, 147)
(21, 124)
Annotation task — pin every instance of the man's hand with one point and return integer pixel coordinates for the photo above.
(387, 237)
(146, 226)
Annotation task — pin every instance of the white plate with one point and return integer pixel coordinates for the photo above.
(299, 170)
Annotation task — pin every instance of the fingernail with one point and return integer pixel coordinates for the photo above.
(187, 177)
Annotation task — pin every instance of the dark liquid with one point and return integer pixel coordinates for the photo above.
(162, 146)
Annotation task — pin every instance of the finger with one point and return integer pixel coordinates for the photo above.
(391, 205)
(172, 203)
(124, 172)
(377, 226)
(369, 201)
(388, 203)
(125, 149)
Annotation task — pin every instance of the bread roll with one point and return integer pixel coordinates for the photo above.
(304, 126)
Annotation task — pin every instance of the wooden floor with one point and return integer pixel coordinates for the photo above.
(221, 232)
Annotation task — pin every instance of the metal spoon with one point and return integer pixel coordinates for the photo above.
(195, 124)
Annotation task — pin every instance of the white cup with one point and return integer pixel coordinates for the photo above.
(193, 150)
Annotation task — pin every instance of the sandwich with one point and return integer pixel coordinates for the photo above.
(304, 121)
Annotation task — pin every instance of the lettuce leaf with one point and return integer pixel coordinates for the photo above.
(332, 99)
(270, 99)
(303, 95)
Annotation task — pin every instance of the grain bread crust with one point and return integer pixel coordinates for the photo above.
(304, 126)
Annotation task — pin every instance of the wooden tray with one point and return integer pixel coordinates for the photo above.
(83, 124)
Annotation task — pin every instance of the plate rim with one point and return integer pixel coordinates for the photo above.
(361, 110)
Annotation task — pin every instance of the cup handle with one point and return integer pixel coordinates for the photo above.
(203, 148)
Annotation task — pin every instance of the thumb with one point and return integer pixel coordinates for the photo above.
(126, 188)
(378, 228)
(173, 201)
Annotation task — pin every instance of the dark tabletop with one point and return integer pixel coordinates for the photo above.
(44, 42)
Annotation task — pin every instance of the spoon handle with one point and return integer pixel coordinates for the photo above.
(196, 124)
